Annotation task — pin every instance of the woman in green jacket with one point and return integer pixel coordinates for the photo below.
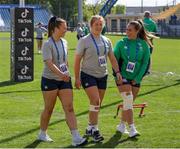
(132, 54)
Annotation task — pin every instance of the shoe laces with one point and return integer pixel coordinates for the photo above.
(96, 133)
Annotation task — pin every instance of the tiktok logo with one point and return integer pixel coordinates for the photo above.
(24, 52)
(24, 32)
(24, 70)
(24, 14)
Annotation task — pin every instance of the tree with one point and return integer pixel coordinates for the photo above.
(63, 8)
(92, 9)
(118, 9)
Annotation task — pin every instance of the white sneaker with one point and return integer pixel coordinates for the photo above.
(44, 137)
(122, 129)
(133, 133)
(39, 52)
(79, 141)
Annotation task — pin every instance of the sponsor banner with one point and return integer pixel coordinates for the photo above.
(22, 34)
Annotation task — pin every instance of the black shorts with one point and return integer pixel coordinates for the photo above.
(79, 36)
(88, 81)
(39, 38)
(51, 84)
(151, 50)
(127, 81)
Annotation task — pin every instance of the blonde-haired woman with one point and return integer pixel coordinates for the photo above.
(92, 73)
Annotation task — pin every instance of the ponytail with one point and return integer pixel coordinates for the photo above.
(54, 22)
(143, 34)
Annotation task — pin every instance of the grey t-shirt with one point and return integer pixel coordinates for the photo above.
(87, 49)
(50, 52)
(80, 31)
(40, 31)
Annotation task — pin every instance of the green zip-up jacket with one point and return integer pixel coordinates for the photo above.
(137, 48)
(150, 25)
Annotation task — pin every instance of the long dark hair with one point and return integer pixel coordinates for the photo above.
(142, 34)
(54, 22)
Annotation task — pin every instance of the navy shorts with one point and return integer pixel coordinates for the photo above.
(151, 50)
(88, 81)
(127, 81)
(39, 38)
(51, 84)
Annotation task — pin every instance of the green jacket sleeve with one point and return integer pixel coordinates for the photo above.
(144, 63)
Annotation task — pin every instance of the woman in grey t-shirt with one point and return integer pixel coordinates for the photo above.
(93, 50)
(39, 29)
(56, 81)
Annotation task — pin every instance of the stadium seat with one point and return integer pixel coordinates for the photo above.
(40, 15)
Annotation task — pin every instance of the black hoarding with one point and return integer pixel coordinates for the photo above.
(22, 34)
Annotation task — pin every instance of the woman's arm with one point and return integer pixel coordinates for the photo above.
(56, 70)
(115, 67)
(77, 70)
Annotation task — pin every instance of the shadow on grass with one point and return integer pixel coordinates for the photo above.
(28, 132)
(161, 88)
(83, 113)
(114, 141)
(22, 91)
(111, 143)
(33, 144)
(8, 83)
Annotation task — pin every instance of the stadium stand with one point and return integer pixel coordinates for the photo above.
(5, 16)
(40, 15)
(167, 24)
(167, 13)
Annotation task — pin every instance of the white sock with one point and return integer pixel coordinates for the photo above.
(131, 126)
(122, 123)
(92, 127)
(95, 127)
(75, 133)
(89, 127)
(42, 131)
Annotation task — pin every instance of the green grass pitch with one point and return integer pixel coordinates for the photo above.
(22, 103)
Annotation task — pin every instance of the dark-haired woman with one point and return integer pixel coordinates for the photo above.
(56, 81)
(132, 54)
